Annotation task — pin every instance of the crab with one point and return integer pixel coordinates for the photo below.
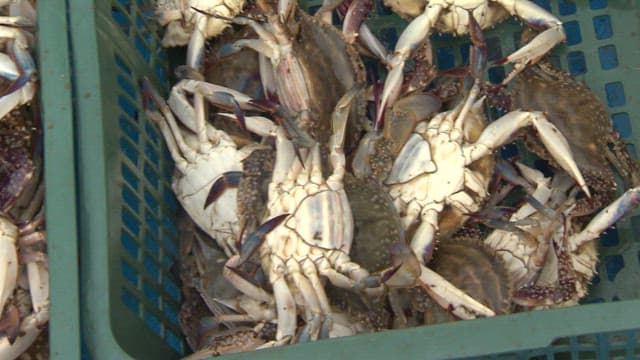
(452, 16)
(187, 23)
(469, 265)
(207, 160)
(433, 170)
(17, 68)
(551, 257)
(595, 145)
(310, 229)
(306, 65)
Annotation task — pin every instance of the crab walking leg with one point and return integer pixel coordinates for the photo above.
(30, 328)
(413, 35)
(450, 297)
(195, 49)
(285, 303)
(501, 130)
(533, 51)
(311, 331)
(8, 260)
(607, 217)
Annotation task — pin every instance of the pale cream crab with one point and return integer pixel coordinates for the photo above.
(551, 258)
(207, 159)
(453, 16)
(186, 23)
(432, 170)
(308, 235)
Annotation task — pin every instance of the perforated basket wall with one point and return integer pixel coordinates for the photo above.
(129, 294)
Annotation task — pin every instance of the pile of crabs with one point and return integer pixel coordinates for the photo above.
(24, 277)
(323, 205)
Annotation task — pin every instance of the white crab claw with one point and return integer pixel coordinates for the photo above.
(8, 260)
(452, 298)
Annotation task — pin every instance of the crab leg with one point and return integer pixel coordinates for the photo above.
(533, 51)
(8, 260)
(501, 130)
(412, 37)
(606, 218)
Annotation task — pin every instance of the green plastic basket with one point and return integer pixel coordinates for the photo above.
(122, 211)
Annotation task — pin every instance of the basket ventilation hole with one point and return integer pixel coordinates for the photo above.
(129, 150)
(127, 107)
(389, 37)
(174, 341)
(130, 199)
(597, 4)
(615, 94)
(150, 267)
(130, 301)
(120, 18)
(121, 65)
(128, 128)
(126, 86)
(169, 246)
(152, 224)
(566, 7)
(129, 273)
(608, 57)
(129, 176)
(151, 202)
(130, 222)
(169, 199)
(613, 264)
(129, 244)
(610, 237)
(496, 74)
(151, 154)
(446, 59)
(577, 63)
(151, 245)
(153, 323)
(151, 294)
(170, 313)
(602, 26)
(172, 289)
(494, 49)
(142, 48)
(150, 175)
(572, 29)
(622, 124)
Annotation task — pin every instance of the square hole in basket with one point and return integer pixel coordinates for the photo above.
(175, 342)
(128, 175)
(129, 129)
(129, 244)
(120, 18)
(613, 264)
(602, 27)
(129, 272)
(130, 301)
(171, 313)
(598, 4)
(566, 7)
(151, 268)
(130, 198)
(608, 57)
(610, 238)
(577, 63)
(622, 124)
(130, 221)
(615, 94)
(151, 294)
(445, 57)
(572, 30)
(153, 323)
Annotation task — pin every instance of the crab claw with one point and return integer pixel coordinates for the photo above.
(256, 238)
(501, 130)
(607, 217)
(226, 180)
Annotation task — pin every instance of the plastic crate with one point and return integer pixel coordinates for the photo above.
(129, 297)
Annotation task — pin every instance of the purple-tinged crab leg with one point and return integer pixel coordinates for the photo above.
(226, 180)
(607, 217)
(253, 242)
